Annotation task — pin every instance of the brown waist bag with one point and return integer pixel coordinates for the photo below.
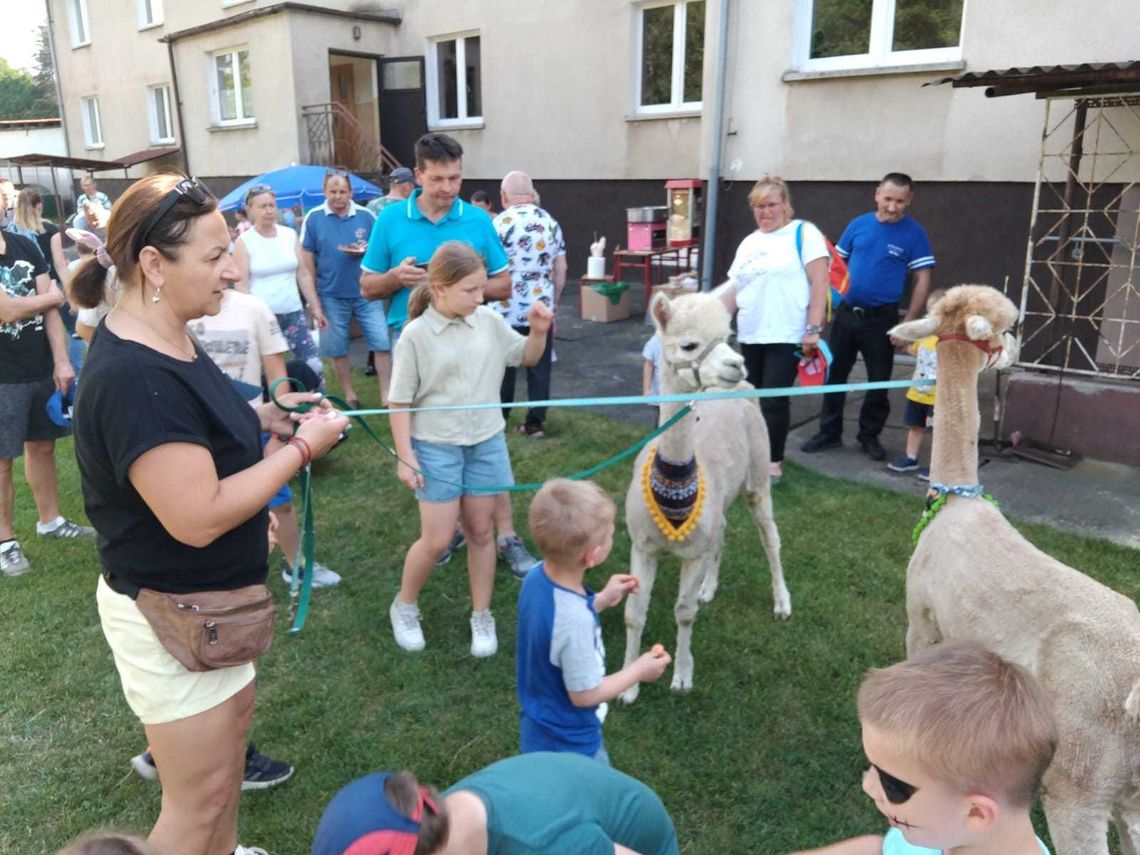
(212, 629)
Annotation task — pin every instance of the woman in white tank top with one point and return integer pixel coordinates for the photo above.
(268, 256)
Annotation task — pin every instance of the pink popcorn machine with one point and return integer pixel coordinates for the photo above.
(645, 228)
(684, 209)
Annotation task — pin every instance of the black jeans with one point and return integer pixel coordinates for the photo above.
(853, 334)
(537, 382)
(773, 366)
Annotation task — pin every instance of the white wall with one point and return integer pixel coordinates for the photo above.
(17, 141)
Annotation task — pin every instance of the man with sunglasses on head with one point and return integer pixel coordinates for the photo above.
(333, 236)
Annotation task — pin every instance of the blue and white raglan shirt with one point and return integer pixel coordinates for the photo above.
(880, 256)
(895, 844)
(533, 240)
(559, 651)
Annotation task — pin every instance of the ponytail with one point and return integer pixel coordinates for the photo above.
(419, 300)
(87, 288)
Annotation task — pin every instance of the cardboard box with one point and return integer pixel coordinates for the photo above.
(599, 308)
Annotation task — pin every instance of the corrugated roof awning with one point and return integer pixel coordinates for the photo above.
(1089, 78)
(59, 161)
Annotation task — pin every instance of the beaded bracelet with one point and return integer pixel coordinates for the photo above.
(302, 446)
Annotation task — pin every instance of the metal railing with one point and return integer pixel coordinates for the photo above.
(337, 138)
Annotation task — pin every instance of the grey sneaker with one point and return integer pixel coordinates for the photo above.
(512, 550)
(323, 577)
(12, 560)
(68, 530)
(484, 642)
(457, 540)
(406, 626)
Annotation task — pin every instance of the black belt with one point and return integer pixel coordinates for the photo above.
(889, 309)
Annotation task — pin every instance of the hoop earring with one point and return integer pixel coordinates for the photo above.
(157, 298)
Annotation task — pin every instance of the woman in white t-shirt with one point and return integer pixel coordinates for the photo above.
(778, 287)
(268, 256)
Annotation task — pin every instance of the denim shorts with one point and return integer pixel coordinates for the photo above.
(446, 467)
(339, 311)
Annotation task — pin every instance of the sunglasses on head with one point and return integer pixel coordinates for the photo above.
(255, 189)
(896, 790)
(191, 188)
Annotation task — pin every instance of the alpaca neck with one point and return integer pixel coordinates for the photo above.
(954, 454)
(676, 444)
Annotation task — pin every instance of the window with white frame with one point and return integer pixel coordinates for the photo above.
(455, 80)
(158, 107)
(841, 34)
(92, 127)
(669, 42)
(150, 13)
(77, 19)
(230, 89)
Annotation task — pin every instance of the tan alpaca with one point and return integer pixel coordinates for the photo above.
(973, 576)
(730, 443)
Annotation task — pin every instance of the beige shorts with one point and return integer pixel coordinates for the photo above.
(157, 686)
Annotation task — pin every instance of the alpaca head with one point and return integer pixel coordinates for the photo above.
(694, 330)
(977, 312)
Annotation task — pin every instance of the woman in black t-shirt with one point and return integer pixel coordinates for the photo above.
(176, 486)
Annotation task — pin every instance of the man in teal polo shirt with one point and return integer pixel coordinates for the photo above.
(403, 241)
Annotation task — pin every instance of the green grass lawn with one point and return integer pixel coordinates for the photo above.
(762, 756)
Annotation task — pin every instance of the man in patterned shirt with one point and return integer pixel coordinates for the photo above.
(537, 253)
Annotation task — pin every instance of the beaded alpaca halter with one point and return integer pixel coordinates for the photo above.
(674, 494)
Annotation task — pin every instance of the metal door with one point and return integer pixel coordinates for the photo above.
(403, 105)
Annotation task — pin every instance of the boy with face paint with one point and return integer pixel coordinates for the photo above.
(957, 739)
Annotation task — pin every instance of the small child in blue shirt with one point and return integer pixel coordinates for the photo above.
(957, 739)
(560, 659)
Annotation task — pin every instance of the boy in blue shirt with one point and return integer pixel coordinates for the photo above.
(561, 662)
(958, 739)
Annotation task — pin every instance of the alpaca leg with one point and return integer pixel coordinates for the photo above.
(644, 566)
(1077, 824)
(692, 572)
(712, 575)
(760, 502)
(1126, 818)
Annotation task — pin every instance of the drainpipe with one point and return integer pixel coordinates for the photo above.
(178, 106)
(708, 246)
(59, 101)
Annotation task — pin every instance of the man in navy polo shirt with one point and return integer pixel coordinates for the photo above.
(332, 237)
(403, 241)
(882, 249)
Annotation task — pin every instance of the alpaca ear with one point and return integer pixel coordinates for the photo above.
(661, 311)
(914, 330)
(978, 327)
(1010, 350)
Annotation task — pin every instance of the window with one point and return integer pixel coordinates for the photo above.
(848, 34)
(230, 92)
(670, 53)
(77, 18)
(150, 13)
(158, 106)
(92, 127)
(455, 80)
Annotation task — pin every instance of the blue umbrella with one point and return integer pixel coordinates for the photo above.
(295, 184)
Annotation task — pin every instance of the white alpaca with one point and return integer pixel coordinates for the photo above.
(730, 444)
(974, 576)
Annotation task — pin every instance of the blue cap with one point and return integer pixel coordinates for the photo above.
(59, 406)
(402, 174)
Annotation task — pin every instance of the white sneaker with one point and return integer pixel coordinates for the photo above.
(406, 626)
(13, 562)
(323, 577)
(249, 850)
(484, 642)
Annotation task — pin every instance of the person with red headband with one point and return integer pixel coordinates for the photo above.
(532, 804)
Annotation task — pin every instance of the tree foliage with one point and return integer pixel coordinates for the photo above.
(27, 96)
